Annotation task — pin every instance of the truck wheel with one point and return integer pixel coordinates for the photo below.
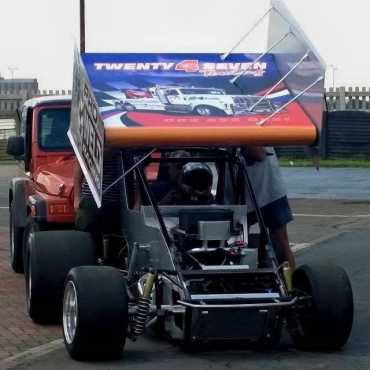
(31, 227)
(95, 313)
(204, 110)
(325, 322)
(16, 243)
(51, 254)
(129, 107)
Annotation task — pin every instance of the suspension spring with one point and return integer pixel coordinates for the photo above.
(141, 315)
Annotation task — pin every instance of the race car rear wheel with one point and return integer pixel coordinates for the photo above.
(95, 313)
(50, 255)
(325, 321)
(16, 243)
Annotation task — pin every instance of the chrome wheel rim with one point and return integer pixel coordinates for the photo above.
(70, 312)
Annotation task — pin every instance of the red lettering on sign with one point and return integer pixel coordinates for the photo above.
(188, 66)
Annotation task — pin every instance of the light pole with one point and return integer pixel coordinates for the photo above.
(334, 68)
(82, 26)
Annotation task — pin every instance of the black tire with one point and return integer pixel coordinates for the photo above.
(15, 243)
(206, 110)
(31, 227)
(102, 313)
(325, 323)
(51, 254)
(129, 107)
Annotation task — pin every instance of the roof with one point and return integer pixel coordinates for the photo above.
(47, 100)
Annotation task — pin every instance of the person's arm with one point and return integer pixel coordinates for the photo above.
(77, 183)
(254, 153)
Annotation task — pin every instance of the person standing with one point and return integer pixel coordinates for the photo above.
(271, 194)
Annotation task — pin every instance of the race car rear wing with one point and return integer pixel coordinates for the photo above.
(184, 99)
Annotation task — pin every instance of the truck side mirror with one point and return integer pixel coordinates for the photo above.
(15, 146)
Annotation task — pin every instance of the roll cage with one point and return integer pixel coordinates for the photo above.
(232, 173)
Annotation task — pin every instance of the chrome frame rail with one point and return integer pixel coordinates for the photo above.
(262, 122)
(234, 79)
(246, 35)
(281, 80)
(240, 305)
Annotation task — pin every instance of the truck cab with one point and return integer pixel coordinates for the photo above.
(42, 197)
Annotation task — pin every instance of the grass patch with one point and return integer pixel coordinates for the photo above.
(334, 163)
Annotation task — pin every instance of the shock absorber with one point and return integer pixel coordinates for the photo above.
(143, 306)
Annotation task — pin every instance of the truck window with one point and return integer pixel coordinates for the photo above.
(52, 129)
(195, 91)
(172, 92)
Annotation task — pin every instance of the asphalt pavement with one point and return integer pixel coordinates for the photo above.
(328, 183)
(350, 250)
(333, 229)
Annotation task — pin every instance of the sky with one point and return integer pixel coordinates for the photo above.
(38, 36)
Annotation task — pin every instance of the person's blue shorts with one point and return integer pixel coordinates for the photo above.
(275, 215)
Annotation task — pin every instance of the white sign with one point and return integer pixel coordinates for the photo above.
(86, 131)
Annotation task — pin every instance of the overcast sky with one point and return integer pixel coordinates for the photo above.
(38, 36)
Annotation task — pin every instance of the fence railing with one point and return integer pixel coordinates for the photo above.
(350, 98)
(10, 102)
(53, 92)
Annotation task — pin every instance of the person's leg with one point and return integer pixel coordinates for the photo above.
(277, 215)
(280, 240)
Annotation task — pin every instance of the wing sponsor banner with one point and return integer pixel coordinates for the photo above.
(86, 131)
(144, 98)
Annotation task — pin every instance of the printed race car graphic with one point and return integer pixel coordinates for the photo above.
(192, 100)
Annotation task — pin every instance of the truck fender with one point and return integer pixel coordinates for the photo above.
(17, 198)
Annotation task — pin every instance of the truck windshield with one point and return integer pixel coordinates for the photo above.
(52, 129)
(202, 91)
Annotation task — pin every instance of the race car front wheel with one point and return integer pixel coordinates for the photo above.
(325, 319)
(95, 313)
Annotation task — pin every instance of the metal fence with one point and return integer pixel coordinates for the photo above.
(345, 134)
(10, 102)
(349, 98)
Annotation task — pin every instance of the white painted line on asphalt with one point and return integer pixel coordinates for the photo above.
(4, 207)
(328, 216)
(30, 354)
(300, 246)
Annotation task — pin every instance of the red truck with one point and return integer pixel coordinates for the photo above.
(42, 197)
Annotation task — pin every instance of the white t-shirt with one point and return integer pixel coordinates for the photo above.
(267, 180)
